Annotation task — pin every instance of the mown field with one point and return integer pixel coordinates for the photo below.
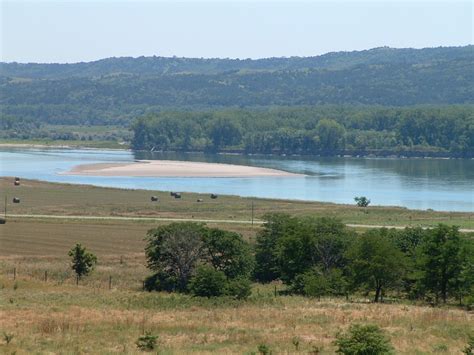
(45, 312)
(78, 200)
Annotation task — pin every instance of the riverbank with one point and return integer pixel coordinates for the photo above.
(114, 145)
(56, 199)
(168, 168)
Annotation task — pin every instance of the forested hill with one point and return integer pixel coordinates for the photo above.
(117, 90)
(165, 65)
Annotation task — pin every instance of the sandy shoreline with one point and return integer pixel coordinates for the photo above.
(169, 168)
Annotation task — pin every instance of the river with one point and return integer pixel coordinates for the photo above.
(438, 184)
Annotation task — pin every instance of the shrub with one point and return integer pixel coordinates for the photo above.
(208, 282)
(469, 349)
(240, 288)
(161, 282)
(8, 337)
(362, 201)
(146, 342)
(363, 340)
(315, 283)
(264, 349)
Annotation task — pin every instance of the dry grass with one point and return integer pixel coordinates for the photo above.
(51, 318)
(21, 237)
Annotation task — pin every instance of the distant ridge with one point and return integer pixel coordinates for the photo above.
(156, 65)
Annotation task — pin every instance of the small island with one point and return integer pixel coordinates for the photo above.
(169, 168)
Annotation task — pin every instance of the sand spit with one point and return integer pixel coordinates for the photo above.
(169, 168)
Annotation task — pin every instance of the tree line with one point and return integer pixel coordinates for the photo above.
(314, 257)
(325, 130)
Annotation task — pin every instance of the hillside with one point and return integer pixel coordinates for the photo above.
(164, 65)
(115, 90)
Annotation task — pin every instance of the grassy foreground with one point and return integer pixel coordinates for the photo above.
(45, 312)
(58, 317)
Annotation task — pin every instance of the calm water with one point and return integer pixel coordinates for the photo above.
(439, 184)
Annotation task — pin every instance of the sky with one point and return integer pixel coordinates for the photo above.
(73, 31)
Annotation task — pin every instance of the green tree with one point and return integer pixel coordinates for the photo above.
(331, 135)
(276, 226)
(362, 201)
(363, 340)
(224, 132)
(228, 252)
(442, 262)
(82, 261)
(375, 262)
(175, 250)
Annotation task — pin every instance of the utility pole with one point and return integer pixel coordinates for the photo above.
(252, 212)
(5, 207)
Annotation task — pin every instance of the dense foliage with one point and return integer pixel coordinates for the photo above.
(314, 257)
(207, 262)
(115, 90)
(318, 257)
(447, 130)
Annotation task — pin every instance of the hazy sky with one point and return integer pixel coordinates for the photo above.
(72, 31)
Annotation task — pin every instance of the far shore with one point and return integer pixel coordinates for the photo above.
(341, 154)
(170, 168)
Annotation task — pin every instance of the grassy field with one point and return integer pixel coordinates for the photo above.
(58, 317)
(108, 310)
(62, 199)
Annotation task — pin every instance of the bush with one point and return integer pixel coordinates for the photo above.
(264, 349)
(240, 288)
(469, 349)
(362, 201)
(315, 283)
(363, 340)
(208, 282)
(146, 342)
(161, 282)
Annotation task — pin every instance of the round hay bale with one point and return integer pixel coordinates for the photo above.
(177, 195)
(16, 183)
(199, 200)
(154, 198)
(16, 200)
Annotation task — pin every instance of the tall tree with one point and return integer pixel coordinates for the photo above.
(442, 262)
(175, 250)
(375, 262)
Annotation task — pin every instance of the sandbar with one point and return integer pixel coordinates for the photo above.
(170, 168)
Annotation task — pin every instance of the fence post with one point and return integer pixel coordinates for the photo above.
(14, 273)
(46, 276)
(110, 282)
(275, 290)
(77, 280)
